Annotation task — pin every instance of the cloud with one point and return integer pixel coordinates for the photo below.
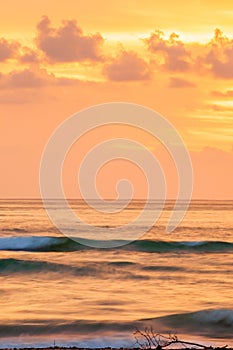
(7, 49)
(180, 83)
(220, 56)
(29, 56)
(67, 43)
(128, 66)
(219, 108)
(25, 79)
(34, 78)
(175, 57)
(228, 93)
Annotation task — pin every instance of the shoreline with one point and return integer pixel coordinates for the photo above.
(113, 348)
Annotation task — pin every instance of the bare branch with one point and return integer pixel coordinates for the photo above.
(148, 339)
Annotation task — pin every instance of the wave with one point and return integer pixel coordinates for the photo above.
(46, 327)
(34, 266)
(38, 243)
(151, 246)
(63, 244)
(29, 230)
(14, 229)
(217, 323)
(101, 269)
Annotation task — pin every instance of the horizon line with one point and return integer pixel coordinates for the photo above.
(112, 199)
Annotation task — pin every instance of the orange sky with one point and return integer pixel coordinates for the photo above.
(175, 57)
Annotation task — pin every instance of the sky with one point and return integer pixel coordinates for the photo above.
(175, 57)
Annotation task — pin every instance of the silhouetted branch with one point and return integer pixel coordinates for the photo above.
(148, 339)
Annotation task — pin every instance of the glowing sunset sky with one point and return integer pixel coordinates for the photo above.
(175, 57)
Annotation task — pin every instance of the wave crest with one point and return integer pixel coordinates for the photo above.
(63, 244)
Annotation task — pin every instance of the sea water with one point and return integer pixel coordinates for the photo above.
(54, 289)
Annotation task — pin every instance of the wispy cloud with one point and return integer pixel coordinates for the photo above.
(180, 83)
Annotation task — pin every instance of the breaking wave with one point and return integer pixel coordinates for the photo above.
(217, 323)
(63, 244)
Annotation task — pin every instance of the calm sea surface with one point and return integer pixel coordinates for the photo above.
(52, 288)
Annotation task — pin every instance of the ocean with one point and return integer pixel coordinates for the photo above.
(56, 290)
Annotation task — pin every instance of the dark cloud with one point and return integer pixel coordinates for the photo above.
(67, 43)
(7, 49)
(180, 83)
(220, 56)
(175, 57)
(128, 66)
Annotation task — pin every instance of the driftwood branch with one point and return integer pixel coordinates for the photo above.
(148, 339)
